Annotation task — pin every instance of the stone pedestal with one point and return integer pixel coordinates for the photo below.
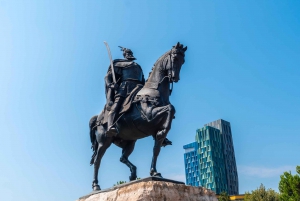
(152, 189)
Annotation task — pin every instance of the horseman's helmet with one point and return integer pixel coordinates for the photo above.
(127, 53)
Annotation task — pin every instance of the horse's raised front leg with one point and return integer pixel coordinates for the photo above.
(168, 114)
(168, 111)
(127, 150)
(103, 143)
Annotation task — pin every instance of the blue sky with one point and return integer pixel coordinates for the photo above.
(242, 65)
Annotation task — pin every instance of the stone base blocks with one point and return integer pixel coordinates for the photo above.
(152, 190)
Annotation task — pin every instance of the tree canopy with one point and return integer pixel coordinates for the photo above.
(261, 194)
(224, 197)
(289, 186)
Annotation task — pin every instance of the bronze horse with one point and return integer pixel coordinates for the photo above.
(150, 114)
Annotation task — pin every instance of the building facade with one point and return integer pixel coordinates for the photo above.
(228, 150)
(191, 164)
(210, 161)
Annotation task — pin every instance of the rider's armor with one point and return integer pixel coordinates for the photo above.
(129, 74)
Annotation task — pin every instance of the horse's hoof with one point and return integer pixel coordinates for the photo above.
(132, 178)
(153, 173)
(96, 187)
(166, 142)
(156, 174)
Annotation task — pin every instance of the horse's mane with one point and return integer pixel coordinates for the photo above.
(160, 59)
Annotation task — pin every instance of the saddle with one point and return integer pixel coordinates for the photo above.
(102, 119)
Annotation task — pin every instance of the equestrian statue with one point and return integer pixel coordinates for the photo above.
(135, 108)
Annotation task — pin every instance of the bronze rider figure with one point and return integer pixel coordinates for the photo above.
(128, 75)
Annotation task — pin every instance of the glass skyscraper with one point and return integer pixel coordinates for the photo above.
(215, 167)
(228, 150)
(211, 159)
(191, 164)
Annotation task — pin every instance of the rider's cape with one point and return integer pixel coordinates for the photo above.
(129, 100)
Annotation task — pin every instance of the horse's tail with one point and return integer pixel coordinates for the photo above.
(94, 142)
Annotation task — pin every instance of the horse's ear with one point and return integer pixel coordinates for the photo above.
(177, 45)
(184, 49)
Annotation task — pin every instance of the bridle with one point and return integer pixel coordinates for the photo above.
(169, 75)
(153, 85)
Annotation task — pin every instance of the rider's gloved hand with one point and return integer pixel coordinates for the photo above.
(109, 104)
(114, 86)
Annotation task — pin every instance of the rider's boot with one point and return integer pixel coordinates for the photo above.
(111, 129)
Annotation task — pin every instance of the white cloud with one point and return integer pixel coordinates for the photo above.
(264, 172)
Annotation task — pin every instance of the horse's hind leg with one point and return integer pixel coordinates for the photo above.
(127, 150)
(103, 143)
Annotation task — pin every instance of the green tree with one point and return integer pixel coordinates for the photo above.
(247, 196)
(289, 186)
(224, 197)
(261, 194)
(119, 183)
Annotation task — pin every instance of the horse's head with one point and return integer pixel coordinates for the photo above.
(175, 61)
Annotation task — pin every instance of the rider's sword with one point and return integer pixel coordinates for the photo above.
(111, 62)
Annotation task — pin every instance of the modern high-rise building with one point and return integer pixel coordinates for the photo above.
(191, 164)
(216, 164)
(211, 159)
(228, 150)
